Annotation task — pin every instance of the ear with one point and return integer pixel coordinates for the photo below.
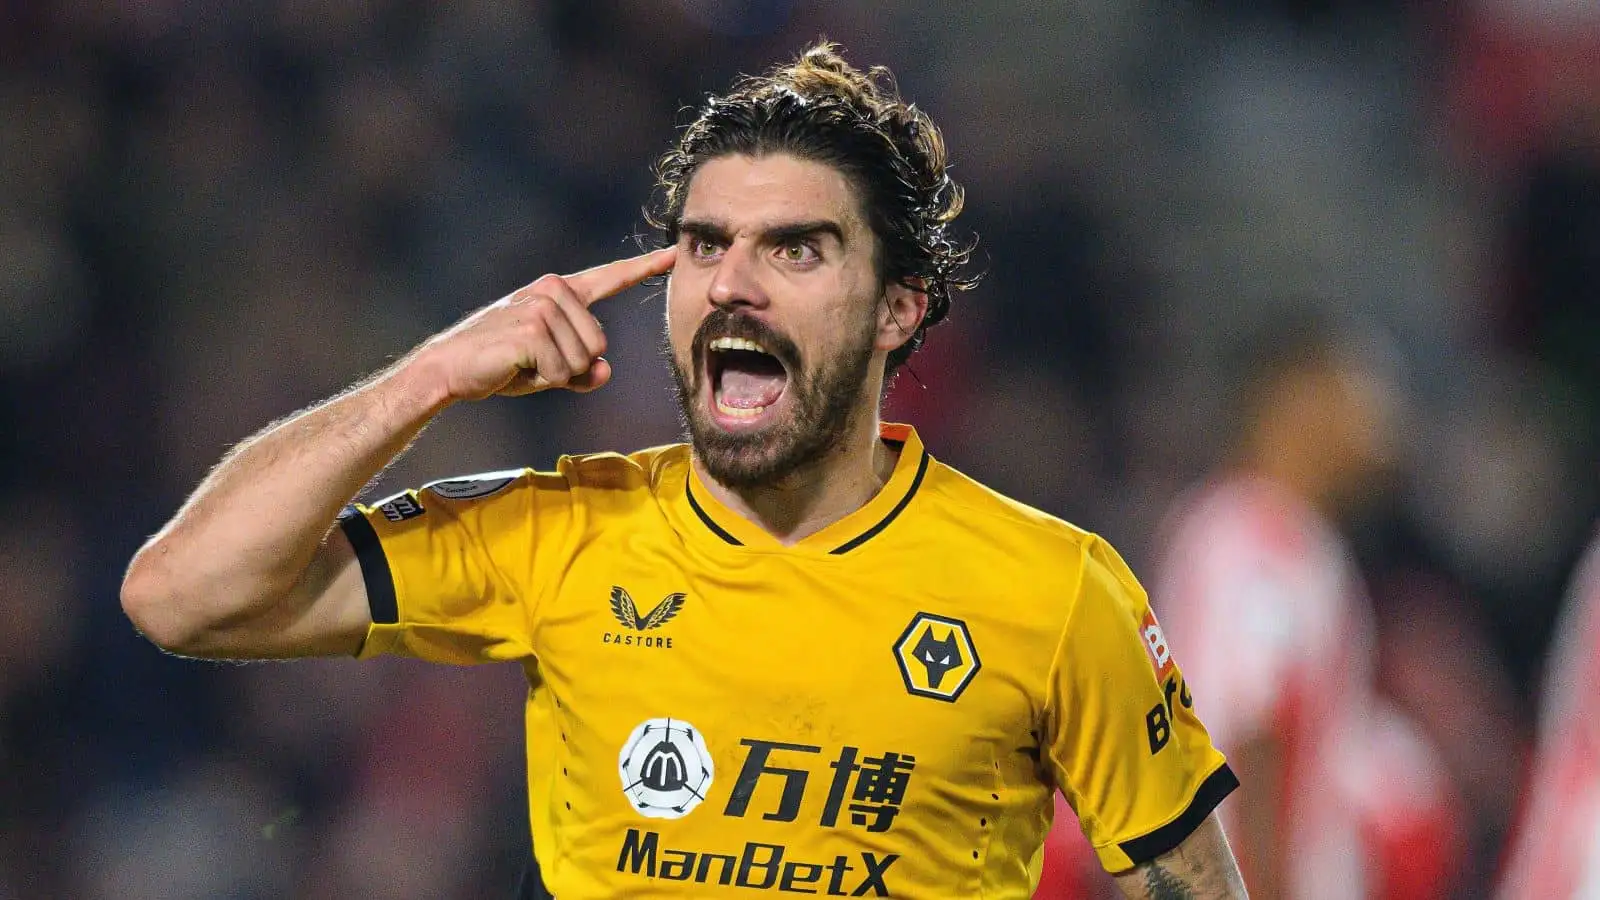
(900, 314)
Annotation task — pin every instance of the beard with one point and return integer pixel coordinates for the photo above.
(823, 401)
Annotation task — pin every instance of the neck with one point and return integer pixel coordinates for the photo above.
(1295, 468)
(815, 496)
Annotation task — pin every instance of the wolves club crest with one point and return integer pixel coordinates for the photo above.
(937, 657)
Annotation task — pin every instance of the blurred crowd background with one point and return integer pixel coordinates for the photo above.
(212, 214)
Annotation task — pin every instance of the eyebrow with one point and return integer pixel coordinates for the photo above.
(772, 234)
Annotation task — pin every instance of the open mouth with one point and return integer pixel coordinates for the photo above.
(746, 380)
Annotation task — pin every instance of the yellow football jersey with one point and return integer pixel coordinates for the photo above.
(882, 709)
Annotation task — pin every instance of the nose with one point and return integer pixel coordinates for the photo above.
(736, 281)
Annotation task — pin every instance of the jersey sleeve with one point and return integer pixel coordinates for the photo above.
(454, 571)
(1124, 744)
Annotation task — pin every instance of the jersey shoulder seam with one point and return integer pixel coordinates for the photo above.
(955, 488)
(1055, 667)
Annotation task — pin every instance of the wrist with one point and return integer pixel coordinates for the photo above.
(412, 390)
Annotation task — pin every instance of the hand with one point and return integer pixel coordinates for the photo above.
(538, 337)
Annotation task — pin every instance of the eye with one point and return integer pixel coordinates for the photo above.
(798, 251)
(703, 248)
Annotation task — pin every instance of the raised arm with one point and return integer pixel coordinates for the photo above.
(1200, 868)
(250, 567)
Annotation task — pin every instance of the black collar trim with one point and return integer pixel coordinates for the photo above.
(716, 529)
(870, 533)
(847, 546)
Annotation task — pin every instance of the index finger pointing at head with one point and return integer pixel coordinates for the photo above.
(601, 282)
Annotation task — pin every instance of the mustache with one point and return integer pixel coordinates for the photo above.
(721, 323)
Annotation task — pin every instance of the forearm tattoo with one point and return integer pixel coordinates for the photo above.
(1201, 868)
(1160, 884)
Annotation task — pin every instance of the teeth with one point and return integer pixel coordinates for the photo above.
(739, 412)
(733, 343)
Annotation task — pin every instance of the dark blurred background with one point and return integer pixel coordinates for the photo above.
(212, 214)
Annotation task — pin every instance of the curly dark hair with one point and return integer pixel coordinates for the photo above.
(821, 109)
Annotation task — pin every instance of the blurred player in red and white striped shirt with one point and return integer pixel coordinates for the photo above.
(1557, 849)
(1262, 601)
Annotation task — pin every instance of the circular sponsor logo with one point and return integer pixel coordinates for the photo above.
(665, 767)
(472, 487)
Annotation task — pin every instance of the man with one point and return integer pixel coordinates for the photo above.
(1260, 592)
(1557, 850)
(795, 655)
